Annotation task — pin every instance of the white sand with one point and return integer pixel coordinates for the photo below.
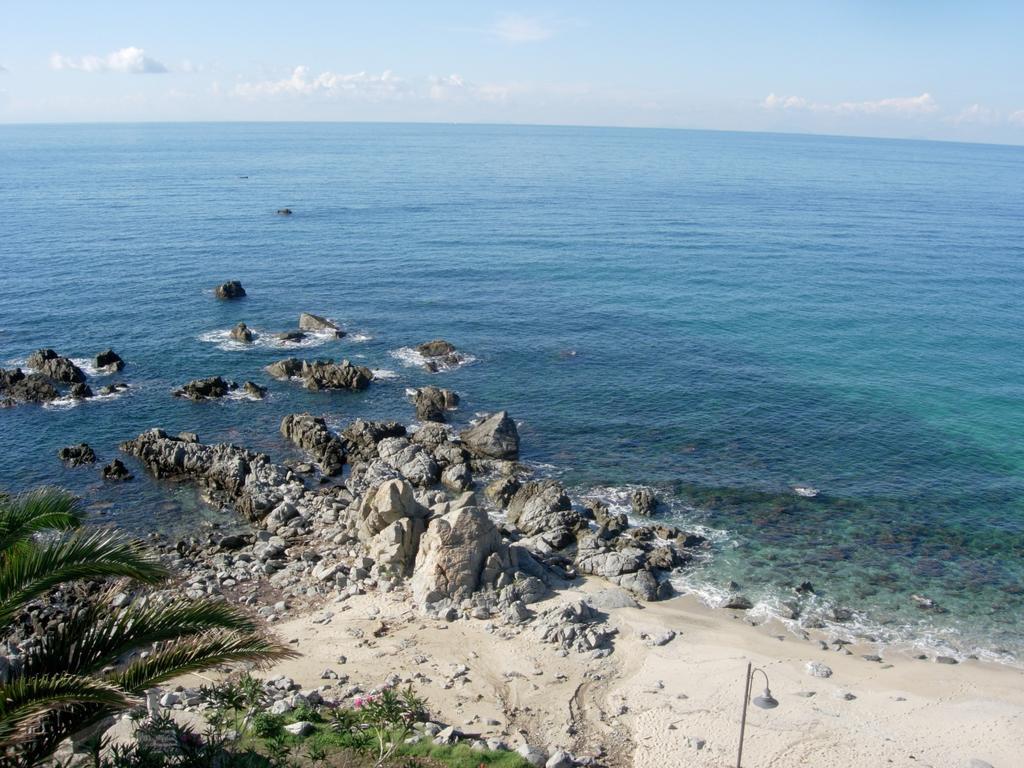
(649, 706)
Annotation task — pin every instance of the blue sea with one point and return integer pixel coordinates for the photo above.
(723, 316)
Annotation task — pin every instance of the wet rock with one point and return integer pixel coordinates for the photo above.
(311, 434)
(113, 389)
(432, 402)
(206, 389)
(496, 437)
(109, 361)
(322, 374)
(53, 366)
(283, 211)
(946, 660)
(502, 490)
(254, 390)
(739, 603)
(242, 334)
(311, 322)
(644, 502)
(436, 348)
(229, 290)
(80, 391)
(116, 472)
(77, 455)
(291, 336)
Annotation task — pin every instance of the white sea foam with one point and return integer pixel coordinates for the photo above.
(66, 402)
(359, 337)
(411, 358)
(265, 340)
(384, 374)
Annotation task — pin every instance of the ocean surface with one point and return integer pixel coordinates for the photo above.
(722, 316)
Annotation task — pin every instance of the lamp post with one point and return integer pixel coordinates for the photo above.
(764, 701)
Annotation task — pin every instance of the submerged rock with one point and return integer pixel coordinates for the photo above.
(311, 434)
(109, 361)
(77, 455)
(242, 334)
(283, 211)
(206, 389)
(116, 471)
(496, 437)
(50, 364)
(311, 322)
(232, 289)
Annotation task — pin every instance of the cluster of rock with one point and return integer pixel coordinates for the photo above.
(308, 323)
(50, 374)
(322, 374)
(216, 387)
(440, 355)
(432, 402)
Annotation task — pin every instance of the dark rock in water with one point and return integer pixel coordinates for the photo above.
(242, 334)
(254, 390)
(311, 322)
(80, 391)
(16, 387)
(739, 603)
(841, 614)
(361, 437)
(805, 588)
(112, 389)
(109, 361)
(249, 480)
(431, 403)
(77, 455)
(282, 211)
(496, 437)
(323, 374)
(436, 348)
(206, 389)
(311, 434)
(644, 502)
(116, 471)
(291, 336)
(232, 289)
(52, 365)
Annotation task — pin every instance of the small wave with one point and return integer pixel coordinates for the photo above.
(384, 374)
(88, 366)
(411, 358)
(67, 402)
(359, 338)
(264, 340)
(241, 394)
(806, 491)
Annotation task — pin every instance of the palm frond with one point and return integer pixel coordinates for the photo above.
(26, 701)
(48, 509)
(99, 636)
(205, 650)
(30, 572)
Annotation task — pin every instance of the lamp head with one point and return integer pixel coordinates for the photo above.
(766, 700)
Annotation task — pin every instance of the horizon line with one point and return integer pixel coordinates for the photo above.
(597, 126)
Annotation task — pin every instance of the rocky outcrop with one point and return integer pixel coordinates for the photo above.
(242, 334)
(439, 355)
(206, 389)
(109, 361)
(432, 402)
(502, 490)
(116, 472)
(460, 552)
(436, 348)
(542, 508)
(409, 459)
(644, 502)
(249, 480)
(53, 366)
(77, 455)
(311, 322)
(390, 523)
(496, 437)
(362, 437)
(232, 289)
(16, 387)
(311, 434)
(254, 390)
(113, 389)
(80, 391)
(322, 374)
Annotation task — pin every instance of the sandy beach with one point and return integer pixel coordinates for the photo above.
(673, 704)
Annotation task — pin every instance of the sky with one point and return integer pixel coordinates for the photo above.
(913, 69)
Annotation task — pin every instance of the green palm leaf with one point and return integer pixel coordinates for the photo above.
(29, 573)
(49, 509)
(98, 636)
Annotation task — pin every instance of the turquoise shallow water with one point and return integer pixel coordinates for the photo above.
(723, 316)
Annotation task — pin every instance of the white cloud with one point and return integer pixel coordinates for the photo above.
(900, 105)
(1017, 118)
(384, 85)
(976, 114)
(129, 60)
(521, 29)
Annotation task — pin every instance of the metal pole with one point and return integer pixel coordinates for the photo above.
(743, 721)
